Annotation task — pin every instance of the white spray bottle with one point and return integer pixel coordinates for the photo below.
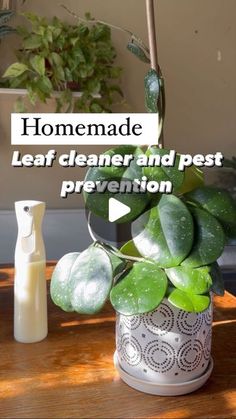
(30, 291)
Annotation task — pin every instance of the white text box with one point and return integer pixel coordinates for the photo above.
(84, 129)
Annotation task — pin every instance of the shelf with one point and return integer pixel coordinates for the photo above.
(23, 92)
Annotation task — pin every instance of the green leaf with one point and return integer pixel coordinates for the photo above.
(114, 88)
(15, 70)
(163, 173)
(33, 42)
(209, 240)
(217, 280)
(59, 73)
(192, 281)
(193, 178)
(189, 302)
(44, 84)
(118, 265)
(129, 249)
(59, 287)
(152, 91)
(56, 59)
(218, 203)
(141, 290)
(131, 172)
(164, 233)
(18, 82)
(19, 106)
(38, 64)
(90, 281)
(138, 52)
(94, 86)
(98, 203)
(95, 108)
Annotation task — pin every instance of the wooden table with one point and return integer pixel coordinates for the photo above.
(71, 373)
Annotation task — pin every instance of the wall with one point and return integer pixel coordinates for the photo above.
(196, 42)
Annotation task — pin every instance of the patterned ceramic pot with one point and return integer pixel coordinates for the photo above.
(167, 345)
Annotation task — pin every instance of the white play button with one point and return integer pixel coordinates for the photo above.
(117, 210)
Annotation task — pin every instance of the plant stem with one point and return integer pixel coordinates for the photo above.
(152, 34)
(154, 62)
(110, 25)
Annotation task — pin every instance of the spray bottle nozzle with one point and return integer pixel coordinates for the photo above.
(29, 216)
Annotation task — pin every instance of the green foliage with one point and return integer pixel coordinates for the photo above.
(129, 249)
(217, 279)
(209, 240)
(141, 290)
(193, 178)
(57, 56)
(189, 302)
(82, 282)
(59, 287)
(90, 281)
(98, 203)
(164, 233)
(163, 173)
(5, 16)
(152, 91)
(138, 52)
(193, 281)
(218, 203)
(174, 247)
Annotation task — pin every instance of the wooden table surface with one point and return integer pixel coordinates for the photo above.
(71, 373)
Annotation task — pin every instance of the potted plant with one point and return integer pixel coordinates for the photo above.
(75, 61)
(161, 282)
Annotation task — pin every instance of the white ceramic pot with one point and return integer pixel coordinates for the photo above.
(166, 346)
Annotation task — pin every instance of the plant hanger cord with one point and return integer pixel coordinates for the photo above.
(150, 10)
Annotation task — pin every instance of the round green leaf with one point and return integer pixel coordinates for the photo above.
(209, 240)
(59, 287)
(193, 281)
(118, 265)
(218, 203)
(90, 281)
(128, 172)
(152, 91)
(141, 290)
(189, 302)
(98, 203)
(217, 280)
(138, 52)
(165, 233)
(163, 173)
(129, 249)
(193, 178)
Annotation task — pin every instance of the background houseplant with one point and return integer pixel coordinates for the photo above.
(56, 56)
